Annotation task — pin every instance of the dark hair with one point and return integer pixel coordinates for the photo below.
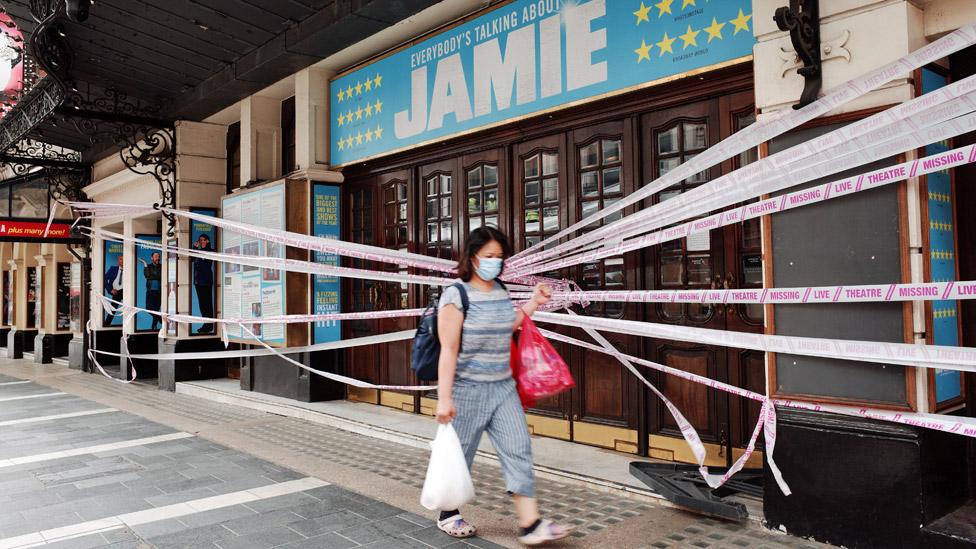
(204, 236)
(476, 240)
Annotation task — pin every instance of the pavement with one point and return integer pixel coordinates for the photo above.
(86, 461)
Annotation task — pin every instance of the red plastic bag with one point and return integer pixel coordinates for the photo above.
(538, 369)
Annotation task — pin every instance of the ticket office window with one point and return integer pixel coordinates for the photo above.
(481, 191)
(685, 262)
(600, 186)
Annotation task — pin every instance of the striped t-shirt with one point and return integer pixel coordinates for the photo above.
(487, 333)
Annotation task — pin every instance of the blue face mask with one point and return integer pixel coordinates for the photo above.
(489, 267)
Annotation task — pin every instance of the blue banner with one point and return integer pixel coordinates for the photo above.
(112, 280)
(525, 58)
(148, 284)
(942, 256)
(200, 292)
(327, 297)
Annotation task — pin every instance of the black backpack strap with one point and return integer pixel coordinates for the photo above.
(464, 298)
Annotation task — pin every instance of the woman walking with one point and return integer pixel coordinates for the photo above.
(475, 386)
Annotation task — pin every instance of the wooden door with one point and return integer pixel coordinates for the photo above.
(394, 364)
(743, 269)
(484, 192)
(669, 138)
(541, 197)
(605, 410)
(364, 295)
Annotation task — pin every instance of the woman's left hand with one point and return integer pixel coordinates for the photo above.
(542, 293)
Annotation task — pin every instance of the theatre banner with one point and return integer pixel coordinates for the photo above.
(526, 58)
(63, 284)
(326, 296)
(203, 296)
(149, 284)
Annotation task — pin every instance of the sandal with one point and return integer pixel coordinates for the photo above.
(456, 527)
(545, 532)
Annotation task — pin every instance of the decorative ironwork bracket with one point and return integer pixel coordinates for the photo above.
(802, 20)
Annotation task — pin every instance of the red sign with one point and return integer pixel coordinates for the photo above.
(28, 229)
(11, 63)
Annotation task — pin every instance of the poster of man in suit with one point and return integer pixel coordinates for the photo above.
(112, 283)
(203, 236)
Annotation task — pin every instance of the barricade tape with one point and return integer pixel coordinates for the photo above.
(814, 158)
(690, 434)
(764, 130)
(868, 293)
(813, 195)
(943, 357)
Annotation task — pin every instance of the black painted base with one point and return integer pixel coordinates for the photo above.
(859, 483)
(274, 376)
(20, 342)
(3, 337)
(141, 344)
(48, 346)
(172, 371)
(76, 353)
(108, 341)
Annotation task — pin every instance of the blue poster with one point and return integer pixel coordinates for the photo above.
(203, 236)
(942, 258)
(149, 288)
(325, 212)
(112, 280)
(525, 58)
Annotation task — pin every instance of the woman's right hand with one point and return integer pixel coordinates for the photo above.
(445, 411)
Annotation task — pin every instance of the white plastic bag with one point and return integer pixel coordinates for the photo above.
(448, 484)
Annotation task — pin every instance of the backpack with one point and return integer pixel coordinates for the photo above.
(426, 351)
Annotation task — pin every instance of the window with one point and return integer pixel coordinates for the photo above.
(395, 236)
(288, 161)
(438, 214)
(233, 157)
(600, 185)
(687, 262)
(481, 188)
(750, 247)
(29, 198)
(540, 185)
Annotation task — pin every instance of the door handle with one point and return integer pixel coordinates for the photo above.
(723, 440)
(730, 284)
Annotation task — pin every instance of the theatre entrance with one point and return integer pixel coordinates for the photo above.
(544, 175)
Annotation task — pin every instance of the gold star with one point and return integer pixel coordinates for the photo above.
(341, 119)
(378, 107)
(741, 22)
(664, 6)
(378, 81)
(665, 44)
(349, 117)
(369, 84)
(369, 135)
(348, 91)
(359, 113)
(369, 110)
(690, 38)
(342, 95)
(686, 3)
(349, 142)
(379, 132)
(642, 14)
(715, 30)
(359, 138)
(342, 144)
(359, 85)
(643, 52)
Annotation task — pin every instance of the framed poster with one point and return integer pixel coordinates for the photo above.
(203, 295)
(149, 287)
(63, 308)
(326, 290)
(172, 272)
(112, 281)
(74, 298)
(33, 298)
(250, 292)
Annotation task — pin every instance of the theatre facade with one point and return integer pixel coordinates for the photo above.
(532, 115)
